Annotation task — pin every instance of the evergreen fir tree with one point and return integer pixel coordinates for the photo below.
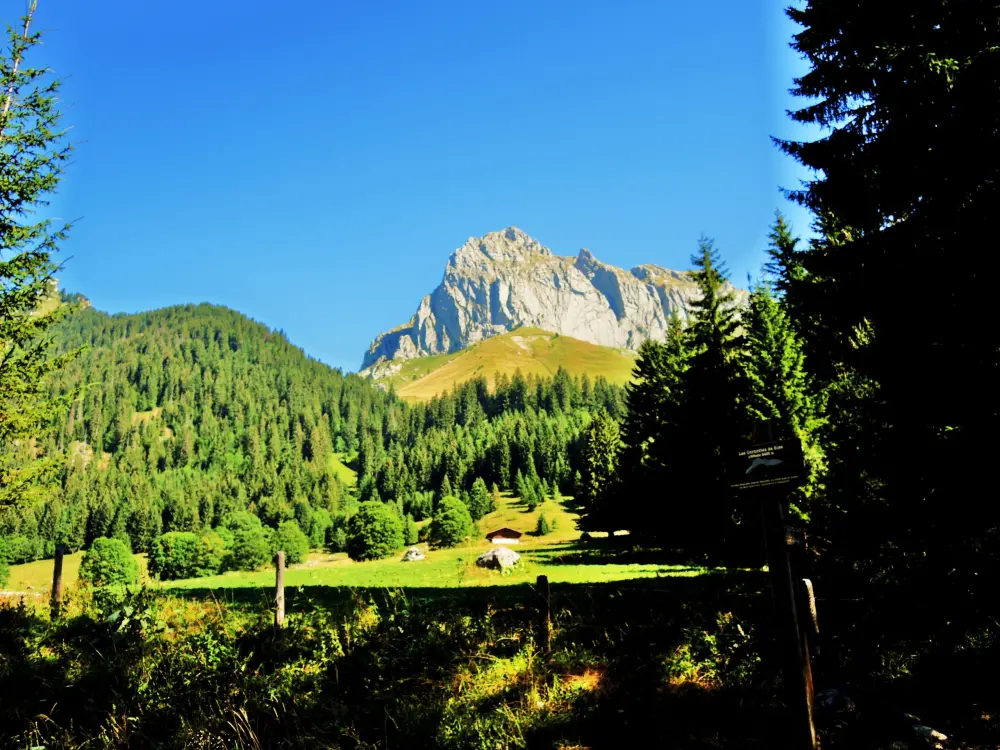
(711, 417)
(445, 489)
(33, 154)
(494, 498)
(479, 499)
(779, 391)
(650, 426)
(600, 490)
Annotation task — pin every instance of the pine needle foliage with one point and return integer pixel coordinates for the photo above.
(33, 154)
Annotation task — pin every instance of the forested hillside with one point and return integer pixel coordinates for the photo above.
(182, 416)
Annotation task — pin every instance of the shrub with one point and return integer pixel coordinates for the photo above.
(22, 549)
(543, 526)
(173, 555)
(411, 534)
(374, 532)
(211, 554)
(241, 519)
(184, 554)
(226, 536)
(337, 540)
(109, 562)
(293, 541)
(452, 523)
(251, 548)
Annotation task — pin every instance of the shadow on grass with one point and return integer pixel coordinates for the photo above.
(581, 598)
(611, 551)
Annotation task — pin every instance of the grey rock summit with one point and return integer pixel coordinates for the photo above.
(504, 280)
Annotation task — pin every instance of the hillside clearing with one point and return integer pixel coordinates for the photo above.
(559, 555)
(530, 350)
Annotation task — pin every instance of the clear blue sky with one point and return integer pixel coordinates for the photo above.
(313, 164)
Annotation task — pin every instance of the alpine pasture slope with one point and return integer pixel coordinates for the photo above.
(529, 350)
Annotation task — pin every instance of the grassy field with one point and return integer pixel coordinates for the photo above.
(530, 350)
(34, 579)
(559, 555)
(338, 464)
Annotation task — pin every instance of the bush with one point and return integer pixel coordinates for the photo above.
(543, 526)
(374, 532)
(411, 534)
(173, 555)
(211, 554)
(22, 549)
(251, 549)
(109, 562)
(251, 545)
(184, 554)
(337, 540)
(452, 523)
(226, 536)
(293, 541)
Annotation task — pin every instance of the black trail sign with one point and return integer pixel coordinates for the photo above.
(773, 464)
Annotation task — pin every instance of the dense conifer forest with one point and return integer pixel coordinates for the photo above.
(178, 418)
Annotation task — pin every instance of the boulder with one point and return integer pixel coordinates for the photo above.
(413, 554)
(498, 558)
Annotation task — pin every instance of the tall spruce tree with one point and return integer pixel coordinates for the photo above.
(779, 390)
(601, 449)
(649, 429)
(785, 270)
(33, 155)
(710, 418)
(905, 183)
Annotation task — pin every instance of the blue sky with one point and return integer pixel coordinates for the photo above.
(314, 164)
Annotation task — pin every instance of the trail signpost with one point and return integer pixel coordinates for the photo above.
(768, 471)
(775, 465)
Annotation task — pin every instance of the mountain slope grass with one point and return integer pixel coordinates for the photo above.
(530, 350)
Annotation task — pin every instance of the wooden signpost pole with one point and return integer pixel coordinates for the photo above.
(791, 640)
(767, 470)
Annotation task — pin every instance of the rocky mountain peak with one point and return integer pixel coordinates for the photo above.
(507, 279)
(510, 245)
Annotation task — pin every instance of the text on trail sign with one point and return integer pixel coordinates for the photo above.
(767, 465)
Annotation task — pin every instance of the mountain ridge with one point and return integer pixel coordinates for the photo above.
(504, 280)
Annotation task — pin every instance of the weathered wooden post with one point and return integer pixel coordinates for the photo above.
(767, 471)
(792, 635)
(545, 615)
(279, 589)
(55, 601)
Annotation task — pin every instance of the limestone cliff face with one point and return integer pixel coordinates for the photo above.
(506, 279)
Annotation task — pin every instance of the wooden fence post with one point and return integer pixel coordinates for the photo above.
(55, 602)
(279, 589)
(545, 615)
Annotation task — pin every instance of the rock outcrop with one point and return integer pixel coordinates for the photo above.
(504, 280)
